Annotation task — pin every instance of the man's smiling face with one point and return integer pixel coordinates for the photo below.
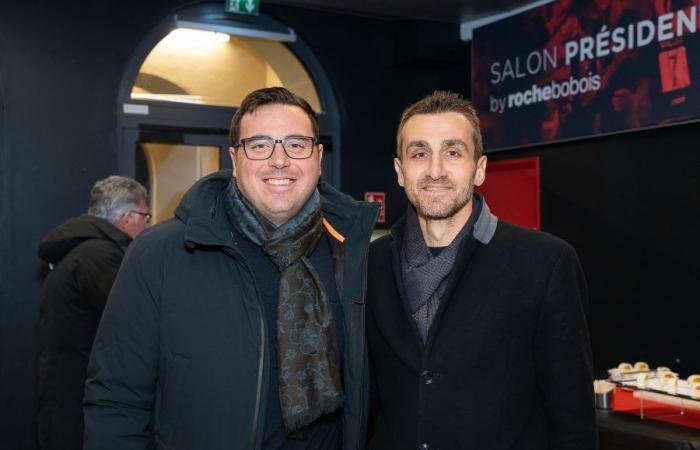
(277, 187)
(437, 166)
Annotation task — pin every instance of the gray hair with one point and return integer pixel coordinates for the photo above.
(113, 196)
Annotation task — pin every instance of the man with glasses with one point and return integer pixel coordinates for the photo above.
(240, 323)
(84, 255)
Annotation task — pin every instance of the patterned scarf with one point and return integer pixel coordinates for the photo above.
(307, 350)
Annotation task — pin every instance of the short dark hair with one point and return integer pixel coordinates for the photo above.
(443, 102)
(269, 96)
(113, 196)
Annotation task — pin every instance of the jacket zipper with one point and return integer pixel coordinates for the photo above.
(261, 360)
(260, 379)
(365, 352)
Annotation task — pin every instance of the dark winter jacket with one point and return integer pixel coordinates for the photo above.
(507, 362)
(180, 359)
(85, 253)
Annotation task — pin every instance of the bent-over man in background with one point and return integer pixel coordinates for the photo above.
(240, 323)
(476, 327)
(84, 255)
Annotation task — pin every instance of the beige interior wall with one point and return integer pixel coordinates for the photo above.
(222, 73)
(290, 71)
(172, 170)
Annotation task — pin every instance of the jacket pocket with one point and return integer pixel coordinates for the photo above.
(172, 402)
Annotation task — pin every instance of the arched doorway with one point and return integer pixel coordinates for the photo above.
(184, 83)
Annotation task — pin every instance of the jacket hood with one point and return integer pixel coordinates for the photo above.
(61, 240)
(200, 201)
(201, 210)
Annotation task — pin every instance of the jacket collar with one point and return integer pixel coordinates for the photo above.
(485, 225)
(110, 231)
(63, 239)
(346, 215)
(203, 214)
(206, 224)
(483, 231)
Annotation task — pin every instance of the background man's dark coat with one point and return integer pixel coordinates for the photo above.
(86, 253)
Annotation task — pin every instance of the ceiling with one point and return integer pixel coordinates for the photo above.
(455, 11)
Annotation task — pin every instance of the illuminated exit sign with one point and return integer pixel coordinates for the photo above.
(248, 7)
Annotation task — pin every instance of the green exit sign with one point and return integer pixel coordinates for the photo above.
(248, 7)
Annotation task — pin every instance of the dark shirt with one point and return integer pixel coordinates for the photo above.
(436, 250)
(326, 432)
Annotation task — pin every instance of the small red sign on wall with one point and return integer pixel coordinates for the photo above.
(380, 198)
(512, 190)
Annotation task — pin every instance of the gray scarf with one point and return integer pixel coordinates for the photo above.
(424, 275)
(307, 349)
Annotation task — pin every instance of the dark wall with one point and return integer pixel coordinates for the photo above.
(629, 204)
(377, 69)
(61, 65)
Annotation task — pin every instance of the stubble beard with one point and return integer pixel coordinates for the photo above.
(443, 208)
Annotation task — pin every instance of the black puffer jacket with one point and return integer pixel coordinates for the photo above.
(85, 253)
(180, 359)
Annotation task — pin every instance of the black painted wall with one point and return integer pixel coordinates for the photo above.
(60, 66)
(377, 69)
(628, 203)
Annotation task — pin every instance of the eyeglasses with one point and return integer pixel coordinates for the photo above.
(146, 216)
(262, 147)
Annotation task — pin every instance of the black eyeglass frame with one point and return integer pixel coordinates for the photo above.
(242, 142)
(147, 216)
